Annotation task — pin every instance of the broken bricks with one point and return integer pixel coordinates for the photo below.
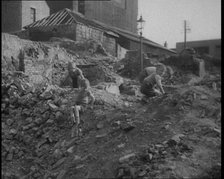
(175, 139)
(127, 157)
(127, 126)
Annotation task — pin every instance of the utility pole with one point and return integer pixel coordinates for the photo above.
(186, 30)
(141, 22)
(141, 51)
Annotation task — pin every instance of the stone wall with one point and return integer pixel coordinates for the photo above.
(109, 43)
(46, 33)
(84, 32)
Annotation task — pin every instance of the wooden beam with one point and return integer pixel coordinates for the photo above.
(55, 19)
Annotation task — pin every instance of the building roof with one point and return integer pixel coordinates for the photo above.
(68, 17)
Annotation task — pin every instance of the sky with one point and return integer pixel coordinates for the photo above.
(165, 20)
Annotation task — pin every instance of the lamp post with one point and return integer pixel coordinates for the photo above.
(141, 23)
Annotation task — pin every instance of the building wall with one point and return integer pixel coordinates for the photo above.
(11, 16)
(16, 14)
(84, 33)
(213, 46)
(149, 49)
(42, 10)
(56, 6)
(44, 34)
(118, 13)
(109, 43)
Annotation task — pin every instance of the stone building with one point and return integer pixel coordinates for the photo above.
(118, 13)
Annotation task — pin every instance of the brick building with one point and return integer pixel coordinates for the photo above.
(118, 13)
(17, 14)
(211, 47)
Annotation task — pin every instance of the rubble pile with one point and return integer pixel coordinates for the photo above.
(130, 66)
(34, 120)
(149, 160)
(102, 72)
(46, 62)
(177, 135)
(212, 82)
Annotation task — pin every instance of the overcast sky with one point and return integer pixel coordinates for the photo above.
(165, 20)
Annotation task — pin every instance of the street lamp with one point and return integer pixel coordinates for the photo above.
(141, 23)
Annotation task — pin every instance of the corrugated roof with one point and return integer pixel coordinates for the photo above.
(66, 17)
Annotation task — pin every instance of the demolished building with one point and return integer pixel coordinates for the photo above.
(73, 25)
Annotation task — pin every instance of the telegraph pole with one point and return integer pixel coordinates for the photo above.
(141, 23)
(186, 30)
(141, 51)
(185, 36)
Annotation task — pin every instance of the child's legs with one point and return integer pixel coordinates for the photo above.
(76, 119)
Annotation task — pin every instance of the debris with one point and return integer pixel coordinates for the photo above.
(127, 126)
(203, 97)
(166, 126)
(52, 106)
(9, 157)
(142, 173)
(101, 135)
(58, 115)
(61, 174)
(76, 158)
(71, 149)
(58, 163)
(13, 131)
(214, 86)
(120, 173)
(175, 139)
(9, 122)
(99, 125)
(126, 157)
(121, 145)
(36, 126)
(80, 166)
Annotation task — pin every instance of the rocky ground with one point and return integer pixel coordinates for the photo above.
(174, 136)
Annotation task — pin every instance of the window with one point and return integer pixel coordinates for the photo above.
(32, 14)
(81, 6)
